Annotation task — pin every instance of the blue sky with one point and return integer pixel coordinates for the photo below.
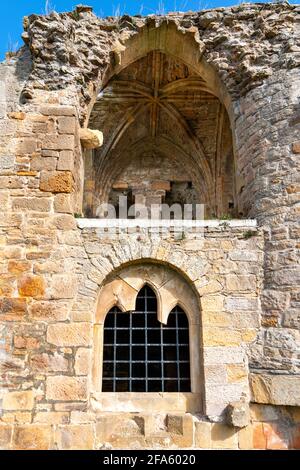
(12, 13)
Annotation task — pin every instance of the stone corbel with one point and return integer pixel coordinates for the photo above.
(91, 139)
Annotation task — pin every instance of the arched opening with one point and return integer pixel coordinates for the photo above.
(140, 354)
(167, 135)
(147, 322)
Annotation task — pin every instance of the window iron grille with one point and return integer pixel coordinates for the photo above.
(143, 355)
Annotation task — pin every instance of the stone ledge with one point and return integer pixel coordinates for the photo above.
(124, 223)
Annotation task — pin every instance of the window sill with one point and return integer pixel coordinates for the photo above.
(146, 402)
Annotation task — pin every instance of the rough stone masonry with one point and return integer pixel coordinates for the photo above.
(236, 128)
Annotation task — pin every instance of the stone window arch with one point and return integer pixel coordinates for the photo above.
(140, 354)
(173, 299)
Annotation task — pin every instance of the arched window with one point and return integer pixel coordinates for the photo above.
(143, 355)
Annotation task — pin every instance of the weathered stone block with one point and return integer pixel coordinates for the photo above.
(51, 417)
(25, 342)
(66, 125)
(246, 438)
(12, 309)
(212, 303)
(63, 286)
(62, 203)
(66, 160)
(275, 389)
(236, 373)
(56, 181)
(214, 336)
(43, 163)
(277, 437)
(33, 437)
(30, 285)
(296, 147)
(27, 146)
(64, 222)
(241, 282)
(54, 110)
(65, 388)
(75, 437)
(18, 266)
(48, 311)
(202, 435)
(5, 436)
(82, 361)
(49, 363)
(18, 400)
(58, 142)
(223, 437)
(238, 414)
(70, 334)
(241, 303)
(40, 204)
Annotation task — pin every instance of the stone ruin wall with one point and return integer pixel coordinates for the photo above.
(248, 285)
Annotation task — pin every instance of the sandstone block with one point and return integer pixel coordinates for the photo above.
(82, 361)
(63, 286)
(58, 142)
(56, 181)
(33, 437)
(5, 436)
(18, 115)
(223, 437)
(275, 389)
(49, 363)
(51, 417)
(164, 185)
(236, 373)
(62, 203)
(246, 438)
(75, 437)
(66, 160)
(214, 336)
(296, 147)
(65, 388)
(223, 355)
(18, 400)
(70, 334)
(259, 438)
(66, 125)
(39, 204)
(202, 435)
(243, 255)
(241, 283)
(43, 163)
(30, 285)
(25, 342)
(27, 146)
(12, 309)
(64, 222)
(7, 162)
(277, 437)
(241, 303)
(181, 428)
(48, 311)
(91, 139)
(212, 303)
(54, 110)
(18, 266)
